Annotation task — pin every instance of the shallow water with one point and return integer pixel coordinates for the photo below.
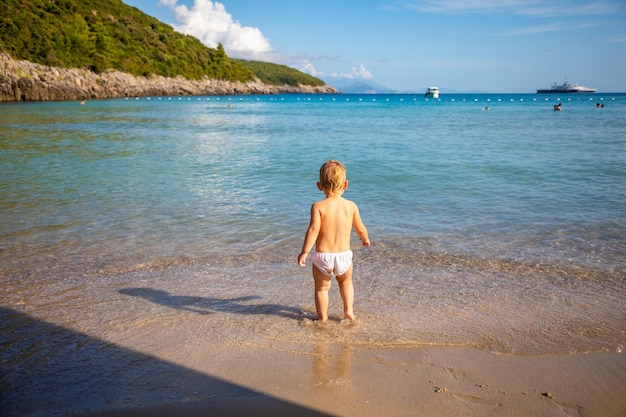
(501, 229)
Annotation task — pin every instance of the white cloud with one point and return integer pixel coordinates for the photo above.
(212, 24)
(358, 73)
(307, 67)
(521, 7)
(553, 27)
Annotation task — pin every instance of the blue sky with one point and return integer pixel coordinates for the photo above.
(499, 46)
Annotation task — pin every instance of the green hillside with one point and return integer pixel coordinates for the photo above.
(108, 34)
(275, 74)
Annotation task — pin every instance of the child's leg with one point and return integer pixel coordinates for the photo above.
(346, 289)
(322, 285)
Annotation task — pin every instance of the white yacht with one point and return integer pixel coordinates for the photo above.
(566, 87)
(433, 92)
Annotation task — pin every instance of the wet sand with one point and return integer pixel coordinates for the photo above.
(436, 381)
(186, 341)
(66, 372)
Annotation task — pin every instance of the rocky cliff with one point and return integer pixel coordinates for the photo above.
(26, 81)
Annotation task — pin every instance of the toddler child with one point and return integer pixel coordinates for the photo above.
(332, 221)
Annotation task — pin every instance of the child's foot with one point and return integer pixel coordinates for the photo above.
(349, 316)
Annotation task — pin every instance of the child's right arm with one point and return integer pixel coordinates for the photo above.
(311, 235)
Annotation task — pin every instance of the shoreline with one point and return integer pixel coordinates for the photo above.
(499, 307)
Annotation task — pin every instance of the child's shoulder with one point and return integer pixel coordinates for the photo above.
(348, 204)
(346, 201)
(334, 201)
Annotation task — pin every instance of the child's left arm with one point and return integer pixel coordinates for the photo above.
(359, 227)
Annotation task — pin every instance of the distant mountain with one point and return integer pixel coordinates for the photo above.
(362, 87)
(370, 87)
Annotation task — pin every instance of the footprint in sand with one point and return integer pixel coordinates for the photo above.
(456, 375)
(476, 400)
(569, 409)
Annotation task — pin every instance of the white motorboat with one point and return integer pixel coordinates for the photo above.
(432, 92)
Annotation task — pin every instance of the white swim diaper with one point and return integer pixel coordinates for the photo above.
(332, 263)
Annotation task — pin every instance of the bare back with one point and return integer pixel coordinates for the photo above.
(335, 217)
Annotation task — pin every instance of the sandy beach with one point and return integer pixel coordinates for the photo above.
(176, 375)
(183, 340)
(343, 381)
(136, 343)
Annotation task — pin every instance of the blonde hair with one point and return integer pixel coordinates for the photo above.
(332, 177)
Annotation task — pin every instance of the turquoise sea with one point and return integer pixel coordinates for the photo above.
(502, 229)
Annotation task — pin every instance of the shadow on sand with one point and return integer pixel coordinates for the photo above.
(47, 370)
(208, 305)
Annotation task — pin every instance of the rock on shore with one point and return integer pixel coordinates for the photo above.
(27, 81)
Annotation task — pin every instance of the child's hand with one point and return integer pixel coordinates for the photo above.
(302, 259)
(366, 243)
